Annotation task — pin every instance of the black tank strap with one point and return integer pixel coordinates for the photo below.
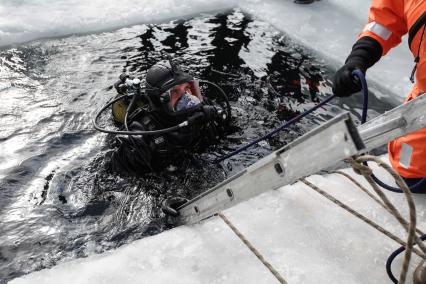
(417, 59)
(415, 28)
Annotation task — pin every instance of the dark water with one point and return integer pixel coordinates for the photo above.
(57, 201)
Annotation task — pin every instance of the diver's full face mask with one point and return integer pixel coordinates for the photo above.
(182, 98)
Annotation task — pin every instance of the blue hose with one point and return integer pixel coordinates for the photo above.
(276, 130)
(415, 188)
(364, 89)
(392, 257)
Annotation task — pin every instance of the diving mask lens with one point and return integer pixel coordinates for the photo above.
(187, 101)
(184, 97)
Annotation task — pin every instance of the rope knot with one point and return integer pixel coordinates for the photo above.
(359, 168)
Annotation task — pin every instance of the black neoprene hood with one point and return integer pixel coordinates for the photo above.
(163, 76)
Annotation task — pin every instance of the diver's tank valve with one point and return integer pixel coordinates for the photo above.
(128, 85)
(133, 86)
(123, 77)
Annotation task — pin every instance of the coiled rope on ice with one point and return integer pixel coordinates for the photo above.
(359, 166)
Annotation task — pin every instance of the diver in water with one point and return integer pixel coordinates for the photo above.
(166, 120)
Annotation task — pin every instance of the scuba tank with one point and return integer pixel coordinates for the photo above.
(124, 86)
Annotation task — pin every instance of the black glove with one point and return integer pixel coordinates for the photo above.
(365, 53)
(170, 205)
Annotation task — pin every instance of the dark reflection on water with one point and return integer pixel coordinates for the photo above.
(56, 199)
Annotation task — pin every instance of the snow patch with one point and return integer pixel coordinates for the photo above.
(25, 20)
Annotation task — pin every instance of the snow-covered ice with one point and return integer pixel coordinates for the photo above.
(21, 21)
(305, 237)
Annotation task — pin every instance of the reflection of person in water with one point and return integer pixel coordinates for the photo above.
(228, 43)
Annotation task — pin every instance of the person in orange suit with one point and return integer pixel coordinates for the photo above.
(388, 21)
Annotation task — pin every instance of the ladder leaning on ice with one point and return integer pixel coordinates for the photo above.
(328, 144)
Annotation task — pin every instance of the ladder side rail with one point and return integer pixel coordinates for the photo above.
(318, 149)
(398, 122)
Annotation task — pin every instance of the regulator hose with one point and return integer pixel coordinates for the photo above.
(364, 89)
(128, 110)
(224, 96)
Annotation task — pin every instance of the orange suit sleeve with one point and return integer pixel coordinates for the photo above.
(386, 23)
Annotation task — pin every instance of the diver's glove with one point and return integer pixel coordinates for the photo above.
(365, 53)
(170, 205)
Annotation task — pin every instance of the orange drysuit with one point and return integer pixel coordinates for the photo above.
(388, 21)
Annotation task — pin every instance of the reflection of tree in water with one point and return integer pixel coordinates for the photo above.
(226, 67)
(146, 39)
(177, 42)
(145, 56)
(229, 35)
(286, 71)
(228, 39)
(152, 50)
